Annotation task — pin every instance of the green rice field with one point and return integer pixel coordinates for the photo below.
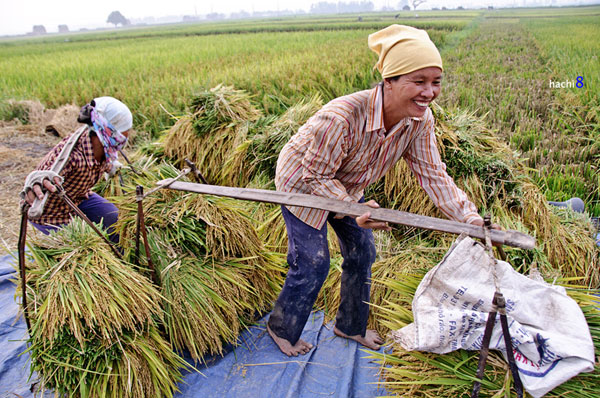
(228, 95)
(499, 63)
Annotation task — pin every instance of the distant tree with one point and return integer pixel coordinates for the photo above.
(117, 18)
(190, 18)
(63, 29)
(406, 8)
(240, 15)
(323, 7)
(402, 4)
(417, 3)
(213, 16)
(460, 8)
(39, 30)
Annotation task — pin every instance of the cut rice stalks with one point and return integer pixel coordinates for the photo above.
(217, 125)
(95, 320)
(256, 158)
(215, 273)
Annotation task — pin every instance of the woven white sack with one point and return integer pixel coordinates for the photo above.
(451, 305)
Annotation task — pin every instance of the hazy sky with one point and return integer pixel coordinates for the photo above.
(19, 16)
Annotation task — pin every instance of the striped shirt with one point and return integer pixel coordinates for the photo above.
(345, 147)
(81, 172)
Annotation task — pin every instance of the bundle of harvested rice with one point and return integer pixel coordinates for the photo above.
(94, 320)
(272, 228)
(26, 111)
(62, 121)
(217, 125)
(214, 270)
(256, 158)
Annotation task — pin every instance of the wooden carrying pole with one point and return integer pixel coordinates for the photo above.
(509, 237)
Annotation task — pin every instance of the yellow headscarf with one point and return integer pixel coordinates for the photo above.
(403, 49)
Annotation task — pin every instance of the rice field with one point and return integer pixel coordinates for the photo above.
(230, 95)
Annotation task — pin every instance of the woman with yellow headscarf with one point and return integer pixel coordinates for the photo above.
(346, 146)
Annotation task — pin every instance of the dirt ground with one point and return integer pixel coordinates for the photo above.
(22, 146)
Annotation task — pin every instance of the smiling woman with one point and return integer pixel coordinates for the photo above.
(345, 147)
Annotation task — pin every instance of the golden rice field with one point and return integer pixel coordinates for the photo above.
(510, 140)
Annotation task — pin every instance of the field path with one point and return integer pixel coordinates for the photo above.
(500, 72)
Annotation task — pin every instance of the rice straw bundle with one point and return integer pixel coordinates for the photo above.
(215, 273)
(228, 139)
(257, 156)
(272, 228)
(217, 125)
(78, 287)
(94, 320)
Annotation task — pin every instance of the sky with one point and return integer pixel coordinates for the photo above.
(19, 16)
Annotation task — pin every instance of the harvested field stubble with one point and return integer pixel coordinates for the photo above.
(23, 143)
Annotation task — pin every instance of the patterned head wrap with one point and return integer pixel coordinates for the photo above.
(112, 140)
(109, 118)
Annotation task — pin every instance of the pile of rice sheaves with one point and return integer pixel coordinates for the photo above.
(95, 320)
(215, 274)
(229, 139)
(217, 124)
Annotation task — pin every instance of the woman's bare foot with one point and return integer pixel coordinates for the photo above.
(371, 339)
(301, 347)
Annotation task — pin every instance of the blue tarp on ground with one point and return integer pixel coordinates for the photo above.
(336, 367)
